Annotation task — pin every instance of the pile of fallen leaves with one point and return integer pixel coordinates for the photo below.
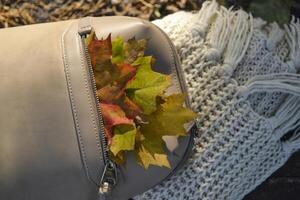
(20, 12)
(136, 111)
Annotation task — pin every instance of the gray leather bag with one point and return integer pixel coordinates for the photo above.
(51, 146)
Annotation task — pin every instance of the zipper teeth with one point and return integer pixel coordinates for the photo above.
(100, 117)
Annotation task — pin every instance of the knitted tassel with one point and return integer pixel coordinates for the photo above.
(258, 23)
(218, 38)
(293, 40)
(203, 19)
(281, 82)
(275, 36)
(239, 39)
(201, 22)
(191, 37)
(208, 9)
(287, 117)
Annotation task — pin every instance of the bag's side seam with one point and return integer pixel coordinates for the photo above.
(180, 86)
(170, 50)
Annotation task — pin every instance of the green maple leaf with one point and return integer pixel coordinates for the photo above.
(118, 54)
(146, 85)
(145, 158)
(150, 151)
(153, 143)
(169, 118)
(123, 139)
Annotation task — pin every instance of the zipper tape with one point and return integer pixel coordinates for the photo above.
(109, 174)
(82, 104)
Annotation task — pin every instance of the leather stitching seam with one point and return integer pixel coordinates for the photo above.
(73, 106)
(87, 89)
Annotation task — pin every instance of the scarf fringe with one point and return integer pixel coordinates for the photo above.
(293, 40)
(276, 34)
(239, 40)
(218, 38)
(287, 117)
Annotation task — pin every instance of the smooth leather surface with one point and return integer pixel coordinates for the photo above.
(49, 142)
(39, 155)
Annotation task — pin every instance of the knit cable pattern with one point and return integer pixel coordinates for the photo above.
(242, 80)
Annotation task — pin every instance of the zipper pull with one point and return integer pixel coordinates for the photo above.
(108, 179)
(85, 26)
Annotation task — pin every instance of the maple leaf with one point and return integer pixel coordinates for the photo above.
(118, 54)
(130, 108)
(123, 139)
(126, 73)
(169, 118)
(120, 158)
(134, 49)
(146, 85)
(145, 158)
(100, 52)
(150, 151)
(113, 115)
(110, 93)
(136, 113)
(113, 92)
(110, 78)
(153, 143)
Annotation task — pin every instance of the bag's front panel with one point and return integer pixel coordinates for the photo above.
(39, 155)
(134, 179)
(49, 142)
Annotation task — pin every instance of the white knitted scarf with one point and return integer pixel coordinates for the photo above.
(242, 80)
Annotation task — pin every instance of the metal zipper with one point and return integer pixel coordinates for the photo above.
(109, 174)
